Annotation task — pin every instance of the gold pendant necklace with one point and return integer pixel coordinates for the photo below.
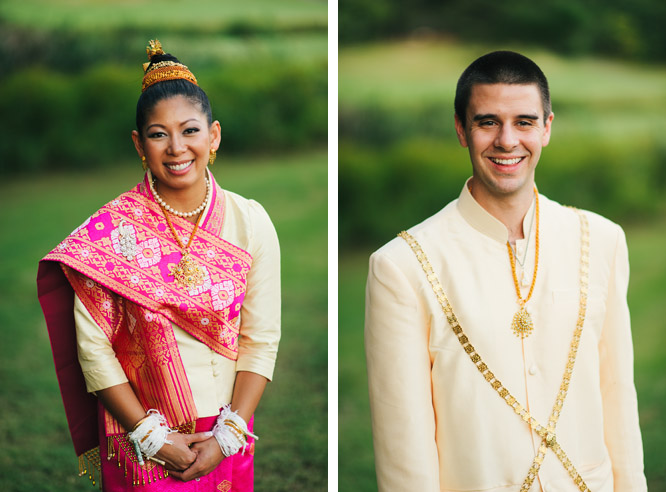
(522, 324)
(187, 272)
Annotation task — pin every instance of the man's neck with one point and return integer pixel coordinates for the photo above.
(510, 210)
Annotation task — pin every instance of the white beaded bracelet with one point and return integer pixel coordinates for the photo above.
(231, 431)
(150, 435)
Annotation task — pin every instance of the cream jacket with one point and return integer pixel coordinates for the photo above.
(437, 424)
(211, 375)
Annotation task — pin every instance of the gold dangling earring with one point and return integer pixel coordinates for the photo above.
(143, 163)
(211, 158)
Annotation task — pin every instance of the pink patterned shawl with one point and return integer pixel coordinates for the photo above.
(135, 299)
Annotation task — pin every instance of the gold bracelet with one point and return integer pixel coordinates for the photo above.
(234, 427)
(157, 460)
(136, 426)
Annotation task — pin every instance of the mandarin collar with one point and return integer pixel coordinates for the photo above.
(479, 218)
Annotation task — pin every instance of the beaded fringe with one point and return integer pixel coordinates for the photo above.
(141, 475)
(90, 464)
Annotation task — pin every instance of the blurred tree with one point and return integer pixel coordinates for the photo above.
(611, 27)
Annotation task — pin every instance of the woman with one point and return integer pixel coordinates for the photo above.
(163, 309)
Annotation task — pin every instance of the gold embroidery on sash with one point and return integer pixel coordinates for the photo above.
(549, 439)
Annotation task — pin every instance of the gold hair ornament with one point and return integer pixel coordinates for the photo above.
(164, 70)
(154, 48)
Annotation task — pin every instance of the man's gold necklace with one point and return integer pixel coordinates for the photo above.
(187, 272)
(522, 324)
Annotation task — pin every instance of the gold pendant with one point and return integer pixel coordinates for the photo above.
(522, 323)
(187, 272)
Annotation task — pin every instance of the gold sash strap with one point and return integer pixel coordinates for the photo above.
(549, 440)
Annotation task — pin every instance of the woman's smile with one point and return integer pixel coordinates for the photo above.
(179, 167)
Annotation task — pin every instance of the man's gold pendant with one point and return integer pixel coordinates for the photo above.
(187, 273)
(522, 323)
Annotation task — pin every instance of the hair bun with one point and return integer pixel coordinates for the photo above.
(163, 66)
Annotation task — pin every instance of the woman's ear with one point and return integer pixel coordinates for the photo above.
(215, 135)
(138, 144)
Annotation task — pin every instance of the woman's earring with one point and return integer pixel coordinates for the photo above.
(211, 158)
(143, 163)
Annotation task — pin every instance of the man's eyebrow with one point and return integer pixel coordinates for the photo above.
(490, 116)
(479, 117)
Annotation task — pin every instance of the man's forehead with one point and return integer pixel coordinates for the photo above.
(491, 98)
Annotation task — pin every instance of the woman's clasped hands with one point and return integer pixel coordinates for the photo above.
(190, 456)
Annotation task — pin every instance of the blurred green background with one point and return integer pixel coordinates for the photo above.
(400, 162)
(68, 89)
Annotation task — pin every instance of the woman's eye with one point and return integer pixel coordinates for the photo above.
(156, 134)
(191, 130)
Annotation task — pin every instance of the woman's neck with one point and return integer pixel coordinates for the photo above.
(183, 200)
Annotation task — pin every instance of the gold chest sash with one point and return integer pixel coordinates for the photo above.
(546, 433)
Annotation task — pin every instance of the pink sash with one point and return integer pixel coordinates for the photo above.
(134, 300)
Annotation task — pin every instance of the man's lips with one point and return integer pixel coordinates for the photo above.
(506, 161)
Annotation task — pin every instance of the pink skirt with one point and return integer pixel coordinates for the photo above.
(233, 474)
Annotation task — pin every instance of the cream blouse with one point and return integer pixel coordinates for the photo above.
(211, 375)
(437, 423)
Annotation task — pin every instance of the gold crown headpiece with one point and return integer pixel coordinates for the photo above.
(164, 70)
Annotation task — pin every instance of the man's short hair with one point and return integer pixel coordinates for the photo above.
(500, 67)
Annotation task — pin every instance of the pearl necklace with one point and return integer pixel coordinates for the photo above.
(168, 208)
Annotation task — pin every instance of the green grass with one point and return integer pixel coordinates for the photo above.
(37, 454)
(203, 15)
(647, 290)
(405, 72)
(292, 47)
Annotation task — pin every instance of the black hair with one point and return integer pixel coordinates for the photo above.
(500, 67)
(167, 89)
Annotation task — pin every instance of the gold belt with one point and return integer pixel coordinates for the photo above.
(547, 433)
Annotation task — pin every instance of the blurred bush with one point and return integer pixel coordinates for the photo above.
(383, 190)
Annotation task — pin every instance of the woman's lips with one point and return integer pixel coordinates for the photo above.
(179, 167)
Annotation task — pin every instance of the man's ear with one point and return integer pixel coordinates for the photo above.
(460, 131)
(546, 133)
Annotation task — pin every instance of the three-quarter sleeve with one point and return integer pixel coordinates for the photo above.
(620, 408)
(260, 313)
(399, 377)
(99, 364)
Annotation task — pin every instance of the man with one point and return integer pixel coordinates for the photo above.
(497, 335)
